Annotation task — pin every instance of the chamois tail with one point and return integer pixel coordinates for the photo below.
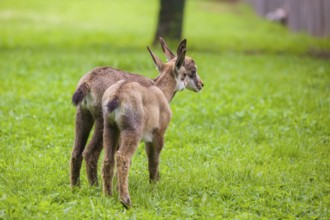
(80, 94)
(113, 104)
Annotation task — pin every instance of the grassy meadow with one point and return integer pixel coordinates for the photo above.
(254, 144)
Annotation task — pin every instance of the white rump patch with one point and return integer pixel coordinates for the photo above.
(147, 137)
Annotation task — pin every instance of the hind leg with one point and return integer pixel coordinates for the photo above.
(93, 151)
(84, 124)
(129, 142)
(110, 143)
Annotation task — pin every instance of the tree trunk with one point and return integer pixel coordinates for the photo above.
(170, 20)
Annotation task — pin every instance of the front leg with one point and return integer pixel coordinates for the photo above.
(153, 150)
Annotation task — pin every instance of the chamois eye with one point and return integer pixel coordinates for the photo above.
(184, 75)
(193, 74)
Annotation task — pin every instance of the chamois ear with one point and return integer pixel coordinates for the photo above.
(183, 45)
(168, 53)
(180, 59)
(159, 64)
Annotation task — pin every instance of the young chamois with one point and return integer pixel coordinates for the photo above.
(88, 99)
(133, 112)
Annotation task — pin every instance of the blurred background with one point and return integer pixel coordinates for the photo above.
(216, 25)
(312, 17)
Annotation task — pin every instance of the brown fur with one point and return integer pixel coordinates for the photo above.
(88, 99)
(142, 113)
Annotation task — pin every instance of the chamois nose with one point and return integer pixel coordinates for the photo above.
(200, 84)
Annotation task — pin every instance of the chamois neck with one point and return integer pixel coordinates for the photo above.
(167, 84)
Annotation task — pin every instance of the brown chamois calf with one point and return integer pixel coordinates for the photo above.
(88, 99)
(133, 112)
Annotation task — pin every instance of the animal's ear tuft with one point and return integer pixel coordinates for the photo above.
(159, 64)
(182, 45)
(168, 53)
(180, 59)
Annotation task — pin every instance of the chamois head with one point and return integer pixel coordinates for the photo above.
(173, 68)
(193, 82)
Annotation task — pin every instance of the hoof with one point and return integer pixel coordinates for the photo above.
(126, 203)
(107, 193)
(154, 180)
(75, 184)
(94, 183)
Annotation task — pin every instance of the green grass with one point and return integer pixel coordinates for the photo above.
(254, 144)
